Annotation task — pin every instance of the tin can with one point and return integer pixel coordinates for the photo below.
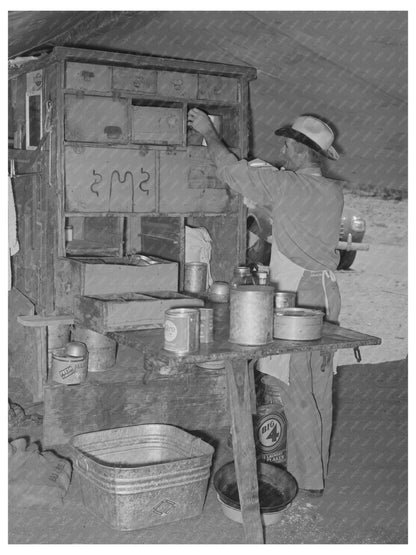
(181, 330)
(251, 314)
(68, 370)
(284, 299)
(206, 325)
(195, 277)
(271, 433)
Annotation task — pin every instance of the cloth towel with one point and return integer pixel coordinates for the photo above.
(198, 248)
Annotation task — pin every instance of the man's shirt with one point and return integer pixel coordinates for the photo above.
(306, 208)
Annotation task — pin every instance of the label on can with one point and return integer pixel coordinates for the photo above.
(171, 331)
(271, 432)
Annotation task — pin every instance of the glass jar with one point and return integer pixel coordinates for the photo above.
(262, 275)
(242, 276)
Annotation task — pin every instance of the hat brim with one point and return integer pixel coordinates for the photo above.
(291, 133)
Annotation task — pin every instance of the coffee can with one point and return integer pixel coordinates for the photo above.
(206, 325)
(181, 330)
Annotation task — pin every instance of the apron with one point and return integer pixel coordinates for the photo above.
(285, 275)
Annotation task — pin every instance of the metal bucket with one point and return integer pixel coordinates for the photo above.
(101, 349)
(251, 314)
(195, 277)
(68, 370)
(284, 299)
(141, 476)
(181, 330)
(298, 324)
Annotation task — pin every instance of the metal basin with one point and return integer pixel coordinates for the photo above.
(277, 489)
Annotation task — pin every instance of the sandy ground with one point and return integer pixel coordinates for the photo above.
(374, 289)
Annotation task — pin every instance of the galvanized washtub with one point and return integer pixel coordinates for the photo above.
(142, 476)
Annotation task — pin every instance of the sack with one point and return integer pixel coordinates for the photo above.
(35, 478)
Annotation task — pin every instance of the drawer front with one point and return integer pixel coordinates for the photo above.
(188, 183)
(216, 87)
(110, 180)
(176, 84)
(134, 80)
(96, 119)
(157, 125)
(88, 77)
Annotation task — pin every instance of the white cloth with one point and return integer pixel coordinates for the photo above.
(12, 229)
(198, 248)
(285, 275)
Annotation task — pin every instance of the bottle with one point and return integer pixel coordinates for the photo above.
(241, 276)
(271, 424)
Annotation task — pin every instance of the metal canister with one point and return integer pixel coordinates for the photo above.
(195, 277)
(181, 330)
(68, 370)
(284, 299)
(251, 314)
(206, 325)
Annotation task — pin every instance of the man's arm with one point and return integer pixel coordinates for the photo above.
(200, 121)
(256, 185)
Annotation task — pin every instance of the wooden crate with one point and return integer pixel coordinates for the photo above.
(130, 311)
(118, 397)
(107, 275)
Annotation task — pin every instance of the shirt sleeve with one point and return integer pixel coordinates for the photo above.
(257, 184)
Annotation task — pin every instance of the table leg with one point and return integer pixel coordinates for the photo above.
(239, 392)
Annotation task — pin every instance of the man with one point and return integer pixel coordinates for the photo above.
(306, 210)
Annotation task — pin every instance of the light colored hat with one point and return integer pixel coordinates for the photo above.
(312, 132)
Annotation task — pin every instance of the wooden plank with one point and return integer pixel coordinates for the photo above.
(244, 449)
(62, 52)
(34, 321)
(106, 180)
(118, 397)
(334, 338)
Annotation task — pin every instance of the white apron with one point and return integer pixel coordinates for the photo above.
(286, 275)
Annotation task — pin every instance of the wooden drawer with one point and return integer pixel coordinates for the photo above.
(96, 119)
(114, 275)
(176, 84)
(110, 180)
(157, 125)
(129, 311)
(188, 183)
(134, 80)
(216, 87)
(88, 77)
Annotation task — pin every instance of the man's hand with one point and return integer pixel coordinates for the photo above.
(199, 120)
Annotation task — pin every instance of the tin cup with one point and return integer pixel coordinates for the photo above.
(195, 277)
(181, 330)
(284, 299)
(206, 325)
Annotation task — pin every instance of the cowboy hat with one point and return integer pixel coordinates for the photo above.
(312, 132)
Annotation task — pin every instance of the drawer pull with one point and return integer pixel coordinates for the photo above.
(113, 132)
(87, 75)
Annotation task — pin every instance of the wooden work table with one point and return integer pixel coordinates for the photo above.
(238, 361)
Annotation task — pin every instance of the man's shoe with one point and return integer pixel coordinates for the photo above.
(312, 492)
